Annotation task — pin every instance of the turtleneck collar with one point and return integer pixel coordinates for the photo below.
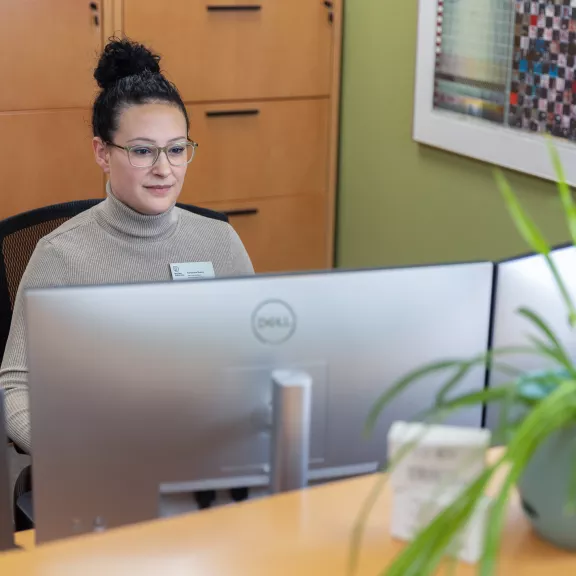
(123, 221)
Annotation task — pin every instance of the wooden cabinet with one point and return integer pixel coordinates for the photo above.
(260, 79)
(238, 49)
(258, 149)
(261, 82)
(46, 158)
(281, 234)
(48, 50)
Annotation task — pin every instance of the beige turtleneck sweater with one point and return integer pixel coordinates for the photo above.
(111, 244)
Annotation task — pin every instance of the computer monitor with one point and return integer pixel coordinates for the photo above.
(6, 522)
(168, 385)
(527, 282)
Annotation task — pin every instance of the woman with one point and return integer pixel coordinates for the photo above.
(140, 127)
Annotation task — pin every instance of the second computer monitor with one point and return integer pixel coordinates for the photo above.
(527, 282)
(138, 386)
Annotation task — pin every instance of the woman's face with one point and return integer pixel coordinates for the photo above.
(154, 189)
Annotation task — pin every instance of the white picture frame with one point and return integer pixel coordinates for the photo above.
(470, 136)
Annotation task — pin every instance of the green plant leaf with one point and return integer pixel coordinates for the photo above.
(563, 290)
(484, 360)
(524, 224)
(401, 385)
(570, 212)
(423, 555)
(494, 527)
(486, 396)
(462, 370)
(398, 387)
(505, 424)
(551, 353)
(563, 189)
(540, 323)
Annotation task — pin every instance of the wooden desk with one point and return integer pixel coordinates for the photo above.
(292, 534)
(25, 540)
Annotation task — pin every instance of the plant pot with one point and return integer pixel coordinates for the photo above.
(544, 489)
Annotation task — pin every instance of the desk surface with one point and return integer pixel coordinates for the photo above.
(300, 533)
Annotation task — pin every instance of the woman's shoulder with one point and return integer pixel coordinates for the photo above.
(191, 213)
(201, 222)
(72, 225)
(214, 229)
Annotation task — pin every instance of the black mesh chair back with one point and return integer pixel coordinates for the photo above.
(18, 238)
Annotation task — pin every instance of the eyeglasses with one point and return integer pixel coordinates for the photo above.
(146, 155)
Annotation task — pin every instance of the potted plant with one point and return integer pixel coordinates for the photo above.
(537, 428)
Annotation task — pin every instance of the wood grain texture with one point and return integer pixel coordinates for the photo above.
(48, 50)
(47, 158)
(281, 51)
(118, 17)
(282, 150)
(112, 19)
(286, 234)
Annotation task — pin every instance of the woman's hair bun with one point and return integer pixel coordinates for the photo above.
(122, 58)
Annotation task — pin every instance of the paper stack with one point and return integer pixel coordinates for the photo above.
(436, 463)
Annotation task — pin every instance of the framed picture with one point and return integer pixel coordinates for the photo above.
(494, 77)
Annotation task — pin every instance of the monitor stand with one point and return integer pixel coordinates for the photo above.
(290, 446)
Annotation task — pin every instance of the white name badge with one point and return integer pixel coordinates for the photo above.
(192, 271)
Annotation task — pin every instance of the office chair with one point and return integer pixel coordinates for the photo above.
(6, 518)
(18, 238)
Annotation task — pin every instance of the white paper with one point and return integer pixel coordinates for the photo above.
(444, 456)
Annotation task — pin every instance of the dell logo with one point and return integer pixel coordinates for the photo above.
(273, 322)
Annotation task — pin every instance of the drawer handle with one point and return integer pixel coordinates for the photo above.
(216, 113)
(232, 8)
(242, 212)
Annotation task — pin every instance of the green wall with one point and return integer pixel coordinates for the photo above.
(401, 202)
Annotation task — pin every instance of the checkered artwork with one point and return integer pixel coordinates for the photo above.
(543, 79)
(511, 62)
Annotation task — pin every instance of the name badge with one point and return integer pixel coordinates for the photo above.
(192, 271)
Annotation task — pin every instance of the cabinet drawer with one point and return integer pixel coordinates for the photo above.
(48, 50)
(37, 170)
(281, 234)
(257, 150)
(237, 49)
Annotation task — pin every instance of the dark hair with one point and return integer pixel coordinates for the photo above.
(128, 74)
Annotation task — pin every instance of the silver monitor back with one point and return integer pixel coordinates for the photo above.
(527, 282)
(6, 522)
(137, 386)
